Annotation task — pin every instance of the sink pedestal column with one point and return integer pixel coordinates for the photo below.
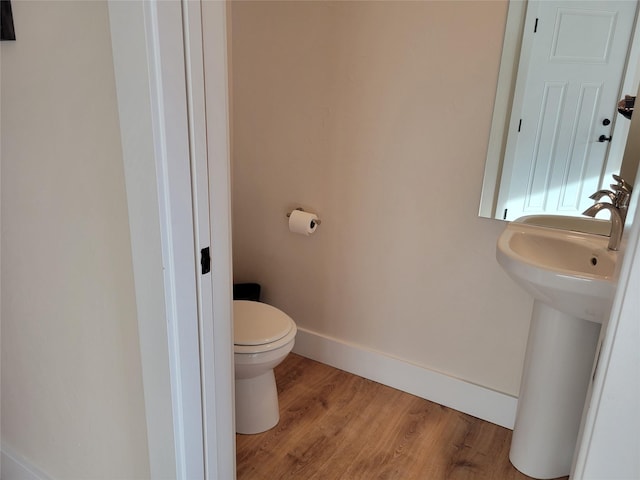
(557, 371)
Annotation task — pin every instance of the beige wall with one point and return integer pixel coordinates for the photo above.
(376, 115)
(72, 399)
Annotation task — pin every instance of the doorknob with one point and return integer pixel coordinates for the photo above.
(604, 139)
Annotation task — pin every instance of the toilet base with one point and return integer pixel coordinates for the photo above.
(256, 403)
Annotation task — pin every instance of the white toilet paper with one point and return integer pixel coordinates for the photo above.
(304, 223)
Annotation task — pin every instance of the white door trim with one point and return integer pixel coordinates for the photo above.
(171, 135)
(207, 94)
(221, 378)
(154, 116)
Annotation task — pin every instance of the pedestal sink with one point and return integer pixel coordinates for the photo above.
(571, 277)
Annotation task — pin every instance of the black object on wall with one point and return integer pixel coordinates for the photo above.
(6, 21)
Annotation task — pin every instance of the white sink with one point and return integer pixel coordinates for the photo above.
(595, 226)
(571, 277)
(572, 272)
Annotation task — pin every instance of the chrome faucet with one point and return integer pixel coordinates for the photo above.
(618, 207)
(617, 224)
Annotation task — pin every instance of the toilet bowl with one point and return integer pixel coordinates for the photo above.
(263, 336)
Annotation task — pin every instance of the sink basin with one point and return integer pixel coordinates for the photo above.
(595, 226)
(572, 272)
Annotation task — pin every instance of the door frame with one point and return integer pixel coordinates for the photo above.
(205, 27)
(187, 358)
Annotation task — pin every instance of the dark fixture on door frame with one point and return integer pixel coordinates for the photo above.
(625, 106)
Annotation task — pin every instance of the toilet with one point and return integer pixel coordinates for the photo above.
(263, 336)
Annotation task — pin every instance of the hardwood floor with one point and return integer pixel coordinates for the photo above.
(335, 425)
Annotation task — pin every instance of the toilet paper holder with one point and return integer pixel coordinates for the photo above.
(318, 221)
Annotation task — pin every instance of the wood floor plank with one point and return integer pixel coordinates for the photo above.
(334, 425)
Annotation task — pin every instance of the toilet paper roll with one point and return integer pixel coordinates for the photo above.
(303, 223)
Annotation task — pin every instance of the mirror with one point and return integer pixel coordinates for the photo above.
(603, 132)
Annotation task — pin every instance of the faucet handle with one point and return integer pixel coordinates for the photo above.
(618, 188)
(622, 183)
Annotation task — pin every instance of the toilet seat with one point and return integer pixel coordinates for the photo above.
(258, 327)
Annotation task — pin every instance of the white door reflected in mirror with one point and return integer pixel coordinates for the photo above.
(555, 134)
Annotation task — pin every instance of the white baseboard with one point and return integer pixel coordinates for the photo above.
(480, 402)
(14, 467)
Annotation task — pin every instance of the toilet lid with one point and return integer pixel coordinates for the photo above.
(256, 323)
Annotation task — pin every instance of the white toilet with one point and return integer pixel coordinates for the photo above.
(263, 336)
